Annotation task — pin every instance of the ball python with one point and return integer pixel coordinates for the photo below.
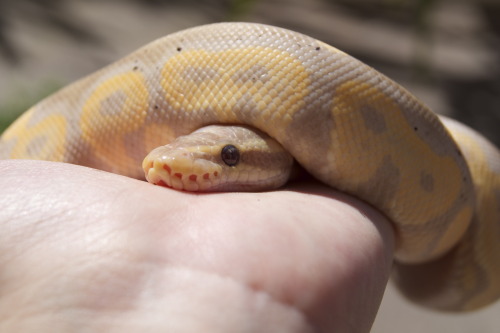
(230, 106)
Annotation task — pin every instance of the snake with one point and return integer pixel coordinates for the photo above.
(235, 106)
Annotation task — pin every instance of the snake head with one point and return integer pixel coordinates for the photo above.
(219, 158)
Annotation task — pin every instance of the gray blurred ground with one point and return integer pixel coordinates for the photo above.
(454, 68)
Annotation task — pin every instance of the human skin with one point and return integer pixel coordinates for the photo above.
(83, 250)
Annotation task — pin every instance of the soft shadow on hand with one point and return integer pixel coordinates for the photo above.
(82, 249)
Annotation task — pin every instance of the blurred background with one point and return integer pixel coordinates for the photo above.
(446, 52)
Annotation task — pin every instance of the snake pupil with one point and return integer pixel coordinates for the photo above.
(230, 155)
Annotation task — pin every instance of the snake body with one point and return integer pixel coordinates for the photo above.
(346, 124)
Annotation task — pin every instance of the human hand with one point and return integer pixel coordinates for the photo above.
(86, 250)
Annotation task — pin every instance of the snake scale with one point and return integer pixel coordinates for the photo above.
(346, 124)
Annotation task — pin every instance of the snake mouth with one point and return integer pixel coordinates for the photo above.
(182, 174)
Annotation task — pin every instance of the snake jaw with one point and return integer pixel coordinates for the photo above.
(182, 172)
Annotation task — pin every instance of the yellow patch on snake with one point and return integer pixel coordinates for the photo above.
(99, 116)
(251, 75)
(436, 187)
(39, 141)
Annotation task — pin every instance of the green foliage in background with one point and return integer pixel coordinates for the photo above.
(22, 100)
(239, 8)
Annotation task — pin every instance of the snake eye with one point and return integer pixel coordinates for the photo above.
(230, 155)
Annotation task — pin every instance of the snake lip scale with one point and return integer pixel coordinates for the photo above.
(276, 96)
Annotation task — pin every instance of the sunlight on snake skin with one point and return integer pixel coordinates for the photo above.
(346, 124)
